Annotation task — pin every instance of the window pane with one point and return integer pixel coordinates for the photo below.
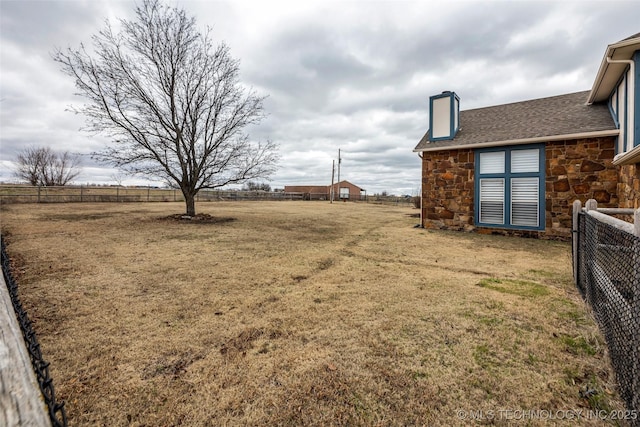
(492, 201)
(492, 162)
(524, 201)
(525, 161)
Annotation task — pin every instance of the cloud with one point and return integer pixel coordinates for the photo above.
(354, 76)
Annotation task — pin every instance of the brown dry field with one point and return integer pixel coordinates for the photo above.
(300, 313)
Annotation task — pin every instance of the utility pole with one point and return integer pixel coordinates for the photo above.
(333, 171)
(339, 161)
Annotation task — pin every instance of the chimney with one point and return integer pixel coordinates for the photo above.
(444, 114)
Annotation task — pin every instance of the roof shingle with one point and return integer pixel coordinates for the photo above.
(537, 118)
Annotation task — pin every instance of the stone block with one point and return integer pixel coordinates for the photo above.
(447, 176)
(446, 214)
(590, 166)
(452, 205)
(561, 185)
(606, 154)
(582, 188)
(445, 164)
(574, 153)
(602, 196)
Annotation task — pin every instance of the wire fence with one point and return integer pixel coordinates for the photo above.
(55, 408)
(607, 272)
(84, 193)
(88, 193)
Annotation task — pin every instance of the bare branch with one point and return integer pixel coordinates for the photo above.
(171, 103)
(42, 166)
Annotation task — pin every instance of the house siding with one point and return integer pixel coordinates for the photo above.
(315, 192)
(354, 190)
(323, 192)
(575, 169)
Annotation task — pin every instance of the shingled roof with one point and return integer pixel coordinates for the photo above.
(534, 120)
(316, 188)
(635, 36)
(307, 189)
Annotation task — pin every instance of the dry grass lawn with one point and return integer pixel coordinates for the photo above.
(300, 313)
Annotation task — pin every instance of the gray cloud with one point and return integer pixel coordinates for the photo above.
(350, 75)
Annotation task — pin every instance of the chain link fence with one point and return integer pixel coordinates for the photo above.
(607, 269)
(56, 409)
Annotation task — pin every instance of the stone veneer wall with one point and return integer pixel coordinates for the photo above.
(447, 189)
(578, 170)
(575, 169)
(629, 186)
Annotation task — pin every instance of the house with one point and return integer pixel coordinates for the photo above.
(343, 190)
(517, 168)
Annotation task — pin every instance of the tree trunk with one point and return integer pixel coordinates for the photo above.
(190, 200)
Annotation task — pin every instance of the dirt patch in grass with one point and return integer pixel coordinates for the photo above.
(76, 216)
(200, 218)
(300, 313)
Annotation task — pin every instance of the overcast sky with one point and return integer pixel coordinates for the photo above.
(354, 75)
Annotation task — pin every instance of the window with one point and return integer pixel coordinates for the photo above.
(510, 187)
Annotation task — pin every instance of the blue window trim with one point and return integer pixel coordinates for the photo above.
(454, 111)
(625, 142)
(623, 100)
(507, 175)
(636, 99)
(621, 108)
(614, 112)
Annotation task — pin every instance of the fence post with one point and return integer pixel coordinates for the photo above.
(635, 313)
(591, 205)
(577, 207)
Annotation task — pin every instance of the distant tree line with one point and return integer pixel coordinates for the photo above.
(43, 166)
(256, 186)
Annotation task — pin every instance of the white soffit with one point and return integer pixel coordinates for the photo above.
(609, 74)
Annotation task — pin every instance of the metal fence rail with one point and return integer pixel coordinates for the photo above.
(56, 409)
(606, 261)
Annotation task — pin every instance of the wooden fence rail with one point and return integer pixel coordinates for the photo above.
(21, 402)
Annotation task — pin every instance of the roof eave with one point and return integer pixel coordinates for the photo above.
(598, 92)
(628, 158)
(520, 141)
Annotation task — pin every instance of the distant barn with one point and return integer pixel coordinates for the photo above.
(343, 190)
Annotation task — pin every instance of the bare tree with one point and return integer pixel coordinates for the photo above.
(118, 178)
(256, 186)
(171, 102)
(29, 165)
(43, 166)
